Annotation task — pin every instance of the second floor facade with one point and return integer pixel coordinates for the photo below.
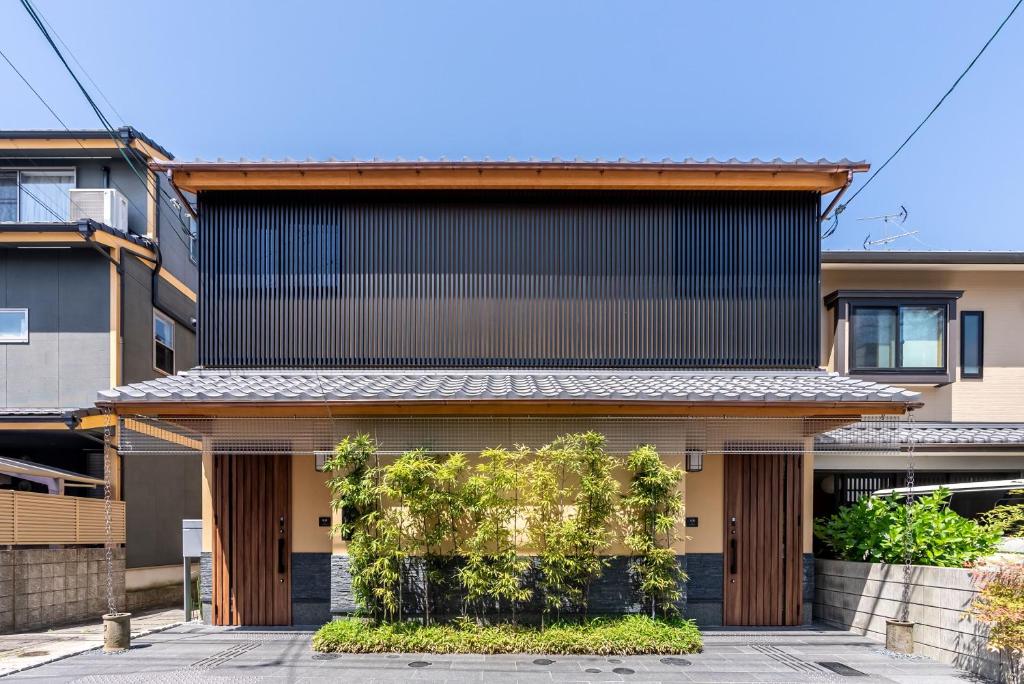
(518, 265)
(97, 271)
(945, 324)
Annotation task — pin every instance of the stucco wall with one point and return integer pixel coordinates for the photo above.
(996, 397)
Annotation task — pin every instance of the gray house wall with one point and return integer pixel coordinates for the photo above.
(67, 357)
(138, 323)
(160, 490)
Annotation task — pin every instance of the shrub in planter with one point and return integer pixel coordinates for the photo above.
(874, 530)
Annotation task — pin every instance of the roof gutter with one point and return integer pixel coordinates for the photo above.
(839, 196)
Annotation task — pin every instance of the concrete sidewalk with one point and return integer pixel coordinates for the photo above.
(194, 652)
(31, 649)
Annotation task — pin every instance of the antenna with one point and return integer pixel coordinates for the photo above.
(897, 218)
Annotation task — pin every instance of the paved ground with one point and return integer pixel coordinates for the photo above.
(193, 652)
(28, 649)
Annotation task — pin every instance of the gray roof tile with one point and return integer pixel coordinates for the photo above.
(449, 385)
(924, 434)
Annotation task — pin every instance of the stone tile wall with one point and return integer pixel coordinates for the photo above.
(42, 588)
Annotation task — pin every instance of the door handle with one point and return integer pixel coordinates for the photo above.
(732, 556)
(280, 548)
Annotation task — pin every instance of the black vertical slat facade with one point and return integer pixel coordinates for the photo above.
(554, 280)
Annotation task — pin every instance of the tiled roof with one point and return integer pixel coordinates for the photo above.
(32, 412)
(925, 434)
(455, 385)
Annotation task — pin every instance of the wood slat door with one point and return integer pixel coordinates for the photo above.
(763, 539)
(251, 540)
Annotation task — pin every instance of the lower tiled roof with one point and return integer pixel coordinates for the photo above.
(925, 434)
(32, 412)
(498, 385)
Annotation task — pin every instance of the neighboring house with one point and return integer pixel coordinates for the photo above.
(463, 305)
(97, 288)
(944, 324)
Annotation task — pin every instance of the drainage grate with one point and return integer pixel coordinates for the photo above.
(787, 659)
(842, 669)
(221, 657)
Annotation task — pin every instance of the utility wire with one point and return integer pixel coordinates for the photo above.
(842, 207)
(36, 18)
(46, 104)
(84, 71)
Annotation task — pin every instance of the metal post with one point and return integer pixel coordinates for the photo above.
(187, 584)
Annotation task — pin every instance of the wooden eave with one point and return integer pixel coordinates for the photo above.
(196, 177)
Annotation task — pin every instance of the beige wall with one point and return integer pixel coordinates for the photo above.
(999, 396)
(704, 497)
(310, 501)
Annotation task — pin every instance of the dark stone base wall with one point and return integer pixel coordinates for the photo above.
(311, 588)
(206, 585)
(614, 593)
(705, 587)
(322, 588)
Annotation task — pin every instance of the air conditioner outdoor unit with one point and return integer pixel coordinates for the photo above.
(105, 205)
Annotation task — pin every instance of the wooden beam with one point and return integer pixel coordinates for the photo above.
(328, 177)
(850, 411)
(30, 425)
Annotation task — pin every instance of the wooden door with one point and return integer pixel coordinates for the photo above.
(251, 540)
(763, 539)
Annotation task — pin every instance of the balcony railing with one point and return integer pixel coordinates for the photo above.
(30, 518)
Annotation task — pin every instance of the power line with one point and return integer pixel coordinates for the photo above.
(36, 18)
(84, 71)
(79, 142)
(840, 208)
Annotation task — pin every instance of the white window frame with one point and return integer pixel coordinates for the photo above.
(42, 170)
(174, 357)
(24, 340)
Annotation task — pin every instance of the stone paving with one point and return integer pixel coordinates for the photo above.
(29, 649)
(194, 652)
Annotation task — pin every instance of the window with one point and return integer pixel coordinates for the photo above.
(898, 337)
(972, 344)
(13, 326)
(36, 196)
(163, 343)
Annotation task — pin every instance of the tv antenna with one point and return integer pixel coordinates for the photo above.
(897, 219)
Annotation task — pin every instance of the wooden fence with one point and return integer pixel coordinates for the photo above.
(30, 518)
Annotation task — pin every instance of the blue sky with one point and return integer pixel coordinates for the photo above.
(207, 78)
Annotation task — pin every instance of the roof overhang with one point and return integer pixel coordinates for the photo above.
(822, 177)
(79, 141)
(11, 466)
(924, 261)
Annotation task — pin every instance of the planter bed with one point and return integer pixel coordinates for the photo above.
(631, 635)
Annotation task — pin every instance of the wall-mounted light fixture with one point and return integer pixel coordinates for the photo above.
(320, 459)
(694, 461)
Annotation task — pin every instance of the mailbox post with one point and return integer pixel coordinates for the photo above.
(191, 547)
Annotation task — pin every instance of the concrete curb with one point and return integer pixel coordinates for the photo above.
(97, 647)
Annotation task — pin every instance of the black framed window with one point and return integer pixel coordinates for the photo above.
(972, 344)
(898, 337)
(163, 343)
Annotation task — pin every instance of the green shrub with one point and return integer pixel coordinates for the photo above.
(650, 512)
(631, 635)
(873, 530)
(1008, 518)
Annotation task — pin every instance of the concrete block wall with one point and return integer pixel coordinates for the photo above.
(862, 596)
(42, 588)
